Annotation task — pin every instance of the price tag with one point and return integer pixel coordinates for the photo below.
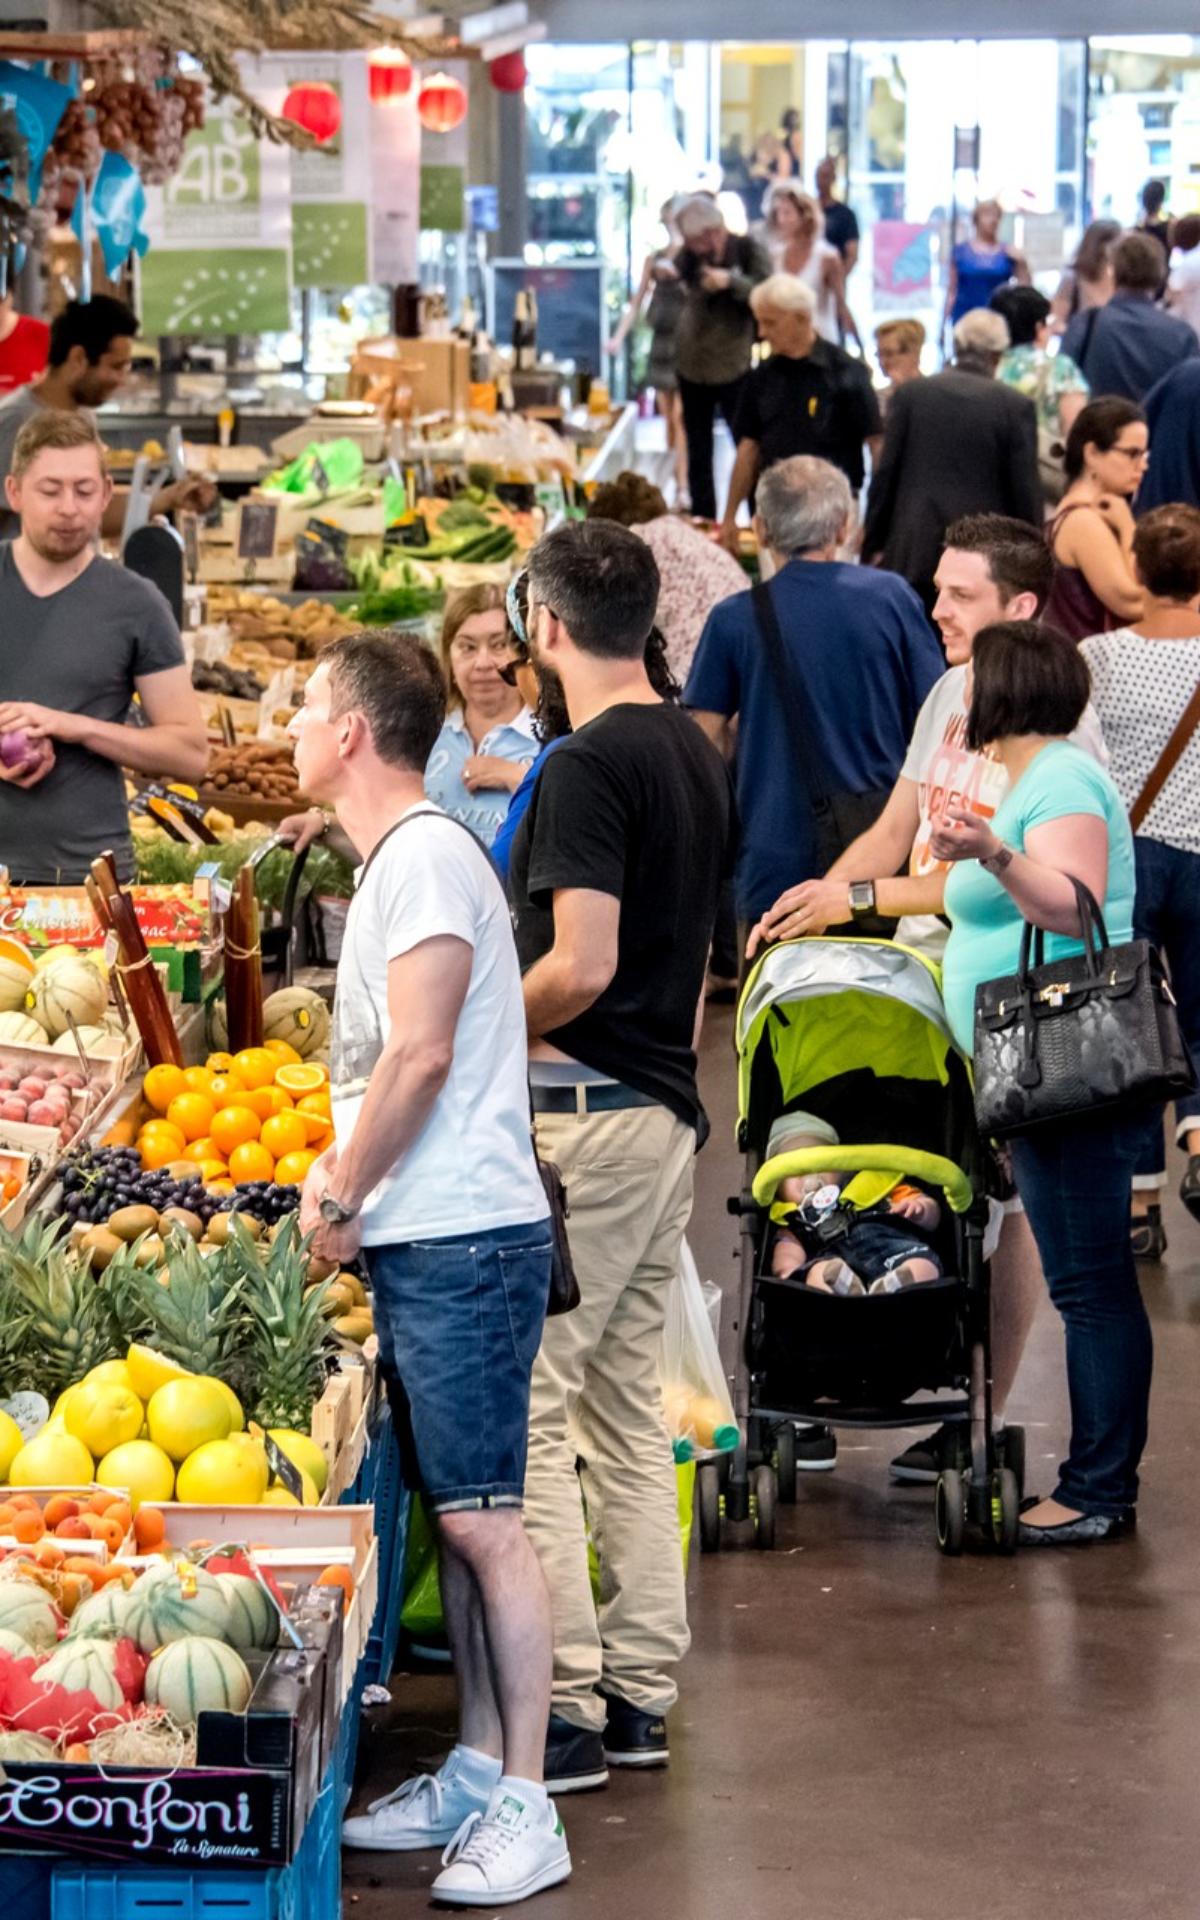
(413, 533)
(283, 1469)
(112, 948)
(30, 1411)
(335, 539)
(258, 521)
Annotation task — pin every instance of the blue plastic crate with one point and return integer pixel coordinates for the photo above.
(391, 1526)
(25, 1886)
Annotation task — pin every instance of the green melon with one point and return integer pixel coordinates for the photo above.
(168, 1613)
(299, 1016)
(84, 1663)
(26, 1611)
(253, 1615)
(196, 1676)
(108, 1615)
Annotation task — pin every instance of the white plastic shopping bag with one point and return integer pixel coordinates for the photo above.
(699, 1411)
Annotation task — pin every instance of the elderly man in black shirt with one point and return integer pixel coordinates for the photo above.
(808, 397)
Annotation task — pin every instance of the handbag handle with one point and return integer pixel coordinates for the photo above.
(1092, 926)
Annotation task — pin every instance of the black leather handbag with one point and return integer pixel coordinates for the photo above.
(1061, 1040)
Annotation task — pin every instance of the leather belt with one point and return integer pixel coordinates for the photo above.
(585, 1097)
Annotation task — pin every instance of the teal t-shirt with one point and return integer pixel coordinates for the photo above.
(985, 921)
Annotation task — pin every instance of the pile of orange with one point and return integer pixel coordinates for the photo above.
(262, 1114)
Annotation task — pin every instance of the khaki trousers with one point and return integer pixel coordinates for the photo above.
(597, 1400)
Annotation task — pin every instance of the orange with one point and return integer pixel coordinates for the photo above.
(157, 1151)
(292, 1169)
(214, 1173)
(224, 1089)
(199, 1080)
(306, 1078)
(316, 1126)
(161, 1130)
(233, 1126)
(193, 1114)
(162, 1085)
(315, 1103)
(219, 1062)
(324, 1143)
(284, 1133)
(255, 1066)
(284, 1052)
(203, 1149)
(251, 1162)
(264, 1101)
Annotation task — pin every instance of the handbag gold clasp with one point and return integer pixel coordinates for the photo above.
(1054, 994)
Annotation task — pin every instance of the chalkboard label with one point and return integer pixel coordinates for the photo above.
(413, 533)
(257, 524)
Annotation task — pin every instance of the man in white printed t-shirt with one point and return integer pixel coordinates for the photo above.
(993, 568)
(433, 1175)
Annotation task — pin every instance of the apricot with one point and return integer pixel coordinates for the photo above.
(28, 1526)
(75, 1527)
(59, 1507)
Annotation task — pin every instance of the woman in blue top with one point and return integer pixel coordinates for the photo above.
(1062, 816)
(979, 267)
(480, 756)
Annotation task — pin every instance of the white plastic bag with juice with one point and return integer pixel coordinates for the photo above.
(696, 1400)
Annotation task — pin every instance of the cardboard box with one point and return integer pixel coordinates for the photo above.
(437, 372)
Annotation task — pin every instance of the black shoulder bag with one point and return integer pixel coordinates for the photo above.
(838, 817)
(1062, 1039)
(564, 1284)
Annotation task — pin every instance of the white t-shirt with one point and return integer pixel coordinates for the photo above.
(1185, 287)
(943, 768)
(1141, 688)
(471, 1168)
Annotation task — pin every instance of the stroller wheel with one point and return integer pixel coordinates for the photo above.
(1006, 1510)
(950, 1511)
(1012, 1454)
(764, 1489)
(708, 1488)
(785, 1462)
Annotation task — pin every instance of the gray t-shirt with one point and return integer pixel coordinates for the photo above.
(80, 650)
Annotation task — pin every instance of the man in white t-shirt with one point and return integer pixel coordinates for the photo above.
(992, 568)
(433, 1176)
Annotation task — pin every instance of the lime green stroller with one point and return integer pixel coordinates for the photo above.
(854, 1032)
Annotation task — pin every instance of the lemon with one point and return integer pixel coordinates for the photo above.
(279, 1497)
(185, 1414)
(150, 1370)
(140, 1469)
(237, 1419)
(221, 1473)
(116, 1372)
(303, 1452)
(103, 1415)
(51, 1459)
(58, 1412)
(11, 1442)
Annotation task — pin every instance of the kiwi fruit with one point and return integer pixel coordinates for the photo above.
(130, 1223)
(150, 1253)
(100, 1246)
(189, 1223)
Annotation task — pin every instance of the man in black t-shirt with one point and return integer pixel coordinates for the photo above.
(807, 397)
(841, 223)
(613, 882)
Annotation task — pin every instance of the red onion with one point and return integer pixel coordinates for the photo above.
(19, 753)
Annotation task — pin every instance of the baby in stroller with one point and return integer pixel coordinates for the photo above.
(850, 1234)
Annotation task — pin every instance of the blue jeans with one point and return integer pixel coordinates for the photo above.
(460, 1323)
(1075, 1182)
(1167, 911)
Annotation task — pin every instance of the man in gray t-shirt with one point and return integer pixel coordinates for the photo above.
(81, 632)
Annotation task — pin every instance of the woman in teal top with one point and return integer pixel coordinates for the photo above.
(1062, 816)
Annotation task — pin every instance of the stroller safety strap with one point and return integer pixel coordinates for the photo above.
(932, 1168)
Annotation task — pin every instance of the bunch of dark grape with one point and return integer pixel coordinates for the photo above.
(265, 1199)
(96, 1181)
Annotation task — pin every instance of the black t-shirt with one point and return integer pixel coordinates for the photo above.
(823, 404)
(841, 226)
(637, 804)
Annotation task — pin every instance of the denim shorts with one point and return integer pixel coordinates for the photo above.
(459, 1323)
(874, 1246)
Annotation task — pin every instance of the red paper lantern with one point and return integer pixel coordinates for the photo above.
(442, 103)
(390, 74)
(509, 73)
(315, 106)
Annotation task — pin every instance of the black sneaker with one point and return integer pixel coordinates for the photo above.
(816, 1450)
(1189, 1187)
(1147, 1235)
(574, 1758)
(921, 1463)
(633, 1738)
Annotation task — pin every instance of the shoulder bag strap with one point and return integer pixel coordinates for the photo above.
(1166, 763)
(425, 813)
(810, 763)
(1089, 328)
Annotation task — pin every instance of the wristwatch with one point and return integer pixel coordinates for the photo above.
(335, 1213)
(862, 898)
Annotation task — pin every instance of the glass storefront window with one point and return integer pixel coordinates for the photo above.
(1144, 122)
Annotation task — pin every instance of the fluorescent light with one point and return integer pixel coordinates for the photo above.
(493, 22)
(513, 42)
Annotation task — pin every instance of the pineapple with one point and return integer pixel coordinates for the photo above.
(68, 1324)
(285, 1335)
(191, 1314)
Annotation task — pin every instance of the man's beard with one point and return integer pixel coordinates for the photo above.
(61, 546)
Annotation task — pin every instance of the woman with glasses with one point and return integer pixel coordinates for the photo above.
(1096, 588)
(482, 753)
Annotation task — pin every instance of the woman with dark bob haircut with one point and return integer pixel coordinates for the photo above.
(1144, 678)
(1062, 816)
(1091, 536)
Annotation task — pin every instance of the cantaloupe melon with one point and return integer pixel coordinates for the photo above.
(105, 1042)
(22, 1745)
(11, 1642)
(19, 1030)
(107, 1615)
(299, 1016)
(84, 1663)
(196, 1676)
(16, 974)
(69, 991)
(253, 1617)
(27, 1611)
(170, 1610)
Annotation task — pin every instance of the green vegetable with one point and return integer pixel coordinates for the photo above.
(162, 863)
(461, 513)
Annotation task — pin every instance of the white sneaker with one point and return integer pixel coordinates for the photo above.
(504, 1855)
(425, 1812)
